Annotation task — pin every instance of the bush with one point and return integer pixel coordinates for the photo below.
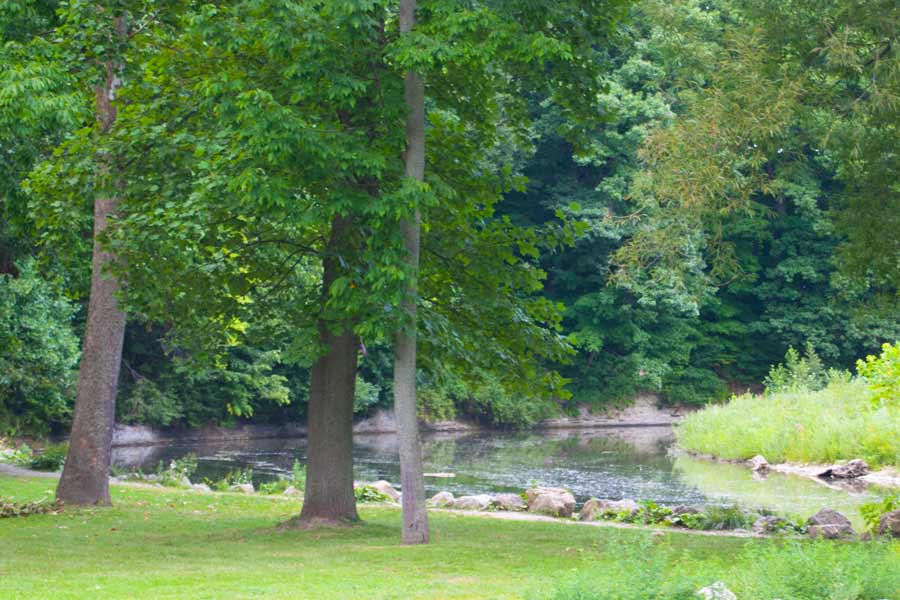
(38, 354)
(882, 374)
(872, 512)
(51, 458)
(797, 373)
(296, 480)
(366, 493)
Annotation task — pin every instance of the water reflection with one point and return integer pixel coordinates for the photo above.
(627, 462)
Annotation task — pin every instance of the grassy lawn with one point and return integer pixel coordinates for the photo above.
(167, 543)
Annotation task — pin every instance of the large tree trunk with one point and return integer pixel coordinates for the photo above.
(415, 517)
(85, 477)
(328, 498)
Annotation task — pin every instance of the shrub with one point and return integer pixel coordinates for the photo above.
(882, 373)
(366, 493)
(797, 373)
(51, 458)
(872, 512)
(297, 480)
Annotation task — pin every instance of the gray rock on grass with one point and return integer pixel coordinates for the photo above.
(830, 524)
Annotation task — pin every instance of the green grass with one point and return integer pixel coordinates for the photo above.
(839, 422)
(168, 543)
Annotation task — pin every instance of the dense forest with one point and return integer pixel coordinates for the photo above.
(715, 186)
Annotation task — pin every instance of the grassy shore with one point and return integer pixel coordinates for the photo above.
(166, 543)
(839, 422)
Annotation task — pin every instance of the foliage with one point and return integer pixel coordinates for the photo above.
(296, 480)
(873, 512)
(366, 493)
(232, 477)
(797, 374)
(836, 423)
(38, 353)
(882, 373)
(52, 457)
(43, 506)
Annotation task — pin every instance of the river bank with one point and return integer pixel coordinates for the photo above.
(645, 411)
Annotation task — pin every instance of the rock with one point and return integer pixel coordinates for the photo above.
(244, 488)
(594, 508)
(554, 501)
(387, 489)
(853, 469)
(185, 481)
(685, 510)
(441, 499)
(890, 524)
(830, 524)
(479, 502)
(716, 591)
(759, 464)
(510, 502)
(764, 525)
(201, 487)
(291, 491)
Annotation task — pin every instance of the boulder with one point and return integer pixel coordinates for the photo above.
(716, 591)
(830, 524)
(594, 508)
(553, 501)
(244, 488)
(853, 469)
(291, 491)
(683, 509)
(759, 464)
(441, 499)
(890, 524)
(387, 489)
(764, 525)
(201, 487)
(510, 502)
(185, 481)
(478, 502)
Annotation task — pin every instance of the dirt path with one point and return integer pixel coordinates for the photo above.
(15, 471)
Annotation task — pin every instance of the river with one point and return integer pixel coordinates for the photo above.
(623, 462)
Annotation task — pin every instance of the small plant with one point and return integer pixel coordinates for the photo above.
(872, 512)
(274, 487)
(51, 458)
(20, 456)
(233, 477)
(797, 373)
(366, 493)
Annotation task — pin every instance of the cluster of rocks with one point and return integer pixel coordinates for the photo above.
(852, 469)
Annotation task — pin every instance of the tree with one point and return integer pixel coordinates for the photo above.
(85, 476)
(415, 518)
(280, 181)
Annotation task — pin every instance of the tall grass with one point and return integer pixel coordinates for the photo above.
(838, 422)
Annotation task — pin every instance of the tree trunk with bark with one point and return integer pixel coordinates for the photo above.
(415, 517)
(328, 498)
(85, 477)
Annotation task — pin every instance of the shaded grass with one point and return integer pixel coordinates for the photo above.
(839, 422)
(167, 543)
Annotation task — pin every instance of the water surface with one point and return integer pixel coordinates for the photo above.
(627, 462)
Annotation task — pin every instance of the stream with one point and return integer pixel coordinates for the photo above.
(615, 462)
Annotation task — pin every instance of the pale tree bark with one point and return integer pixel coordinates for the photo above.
(415, 517)
(85, 477)
(328, 498)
